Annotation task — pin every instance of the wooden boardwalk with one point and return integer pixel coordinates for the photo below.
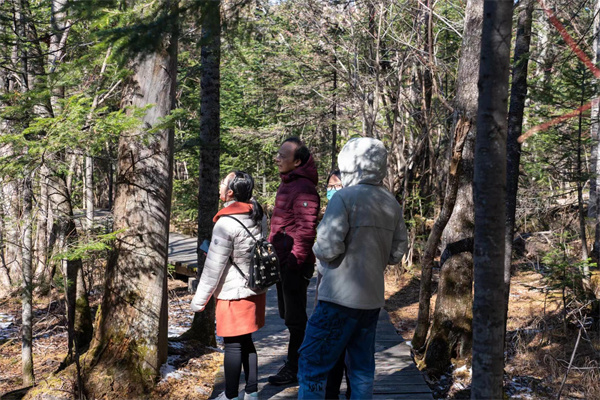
(396, 376)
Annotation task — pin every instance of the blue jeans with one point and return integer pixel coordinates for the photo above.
(331, 329)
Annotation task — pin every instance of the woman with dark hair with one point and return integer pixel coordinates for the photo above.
(240, 311)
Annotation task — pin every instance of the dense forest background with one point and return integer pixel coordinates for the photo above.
(137, 108)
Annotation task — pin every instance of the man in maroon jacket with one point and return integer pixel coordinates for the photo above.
(293, 231)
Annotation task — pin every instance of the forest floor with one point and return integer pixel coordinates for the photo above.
(538, 351)
(539, 345)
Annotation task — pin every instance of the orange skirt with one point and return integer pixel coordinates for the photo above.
(240, 317)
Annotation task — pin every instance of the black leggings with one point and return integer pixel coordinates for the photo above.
(240, 351)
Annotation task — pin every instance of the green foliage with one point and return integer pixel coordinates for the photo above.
(90, 247)
(185, 200)
(565, 274)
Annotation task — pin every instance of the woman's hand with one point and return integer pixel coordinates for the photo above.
(195, 305)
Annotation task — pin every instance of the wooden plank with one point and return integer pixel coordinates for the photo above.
(183, 269)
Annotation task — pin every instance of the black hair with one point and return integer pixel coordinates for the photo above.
(242, 186)
(301, 153)
(335, 172)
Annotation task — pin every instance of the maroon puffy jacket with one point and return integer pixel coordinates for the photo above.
(294, 221)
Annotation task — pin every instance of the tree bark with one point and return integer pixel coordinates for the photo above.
(130, 343)
(594, 202)
(43, 268)
(12, 258)
(580, 182)
(5, 284)
(436, 233)
(27, 295)
(203, 326)
(489, 189)
(79, 320)
(89, 192)
(516, 110)
(451, 335)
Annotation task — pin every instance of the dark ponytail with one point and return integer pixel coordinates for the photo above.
(242, 186)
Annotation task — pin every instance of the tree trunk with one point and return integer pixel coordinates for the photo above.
(72, 170)
(371, 92)
(5, 284)
(518, 95)
(12, 259)
(594, 202)
(436, 233)
(57, 47)
(580, 182)
(27, 295)
(489, 190)
(89, 192)
(451, 335)
(43, 268)
(130, 343)
(334, 117)
(65, 232)
(203, 326)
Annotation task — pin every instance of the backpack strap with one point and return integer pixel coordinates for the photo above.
(238, 269)
(242, 224)
(230, 257)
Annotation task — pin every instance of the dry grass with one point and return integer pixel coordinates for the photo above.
(538, 346)
(193, 367)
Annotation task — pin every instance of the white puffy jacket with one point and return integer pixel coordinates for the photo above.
(362, 230)
(219, 276)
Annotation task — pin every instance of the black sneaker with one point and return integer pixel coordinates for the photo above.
(285, 376)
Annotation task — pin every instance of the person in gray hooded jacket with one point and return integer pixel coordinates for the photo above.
(362, 231)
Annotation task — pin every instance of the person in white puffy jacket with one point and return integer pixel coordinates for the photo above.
(240, 311)
(362, 231)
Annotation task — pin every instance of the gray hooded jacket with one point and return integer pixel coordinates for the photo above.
(362, 230)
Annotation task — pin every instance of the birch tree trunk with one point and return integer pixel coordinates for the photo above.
(89, 192)
(12, 257)
(451, 333)
(489, 189)
(27, 295)
(43, 268)
(5, 283)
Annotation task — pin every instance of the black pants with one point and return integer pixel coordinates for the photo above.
(291, 300)
(240, 352)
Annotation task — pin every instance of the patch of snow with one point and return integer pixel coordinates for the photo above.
(6, 320)
(464, 369)
(176, 331)
(7, 327)
(176, 345)
(167, 370)
(203, 390)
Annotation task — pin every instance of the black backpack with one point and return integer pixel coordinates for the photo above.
(264, 266)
